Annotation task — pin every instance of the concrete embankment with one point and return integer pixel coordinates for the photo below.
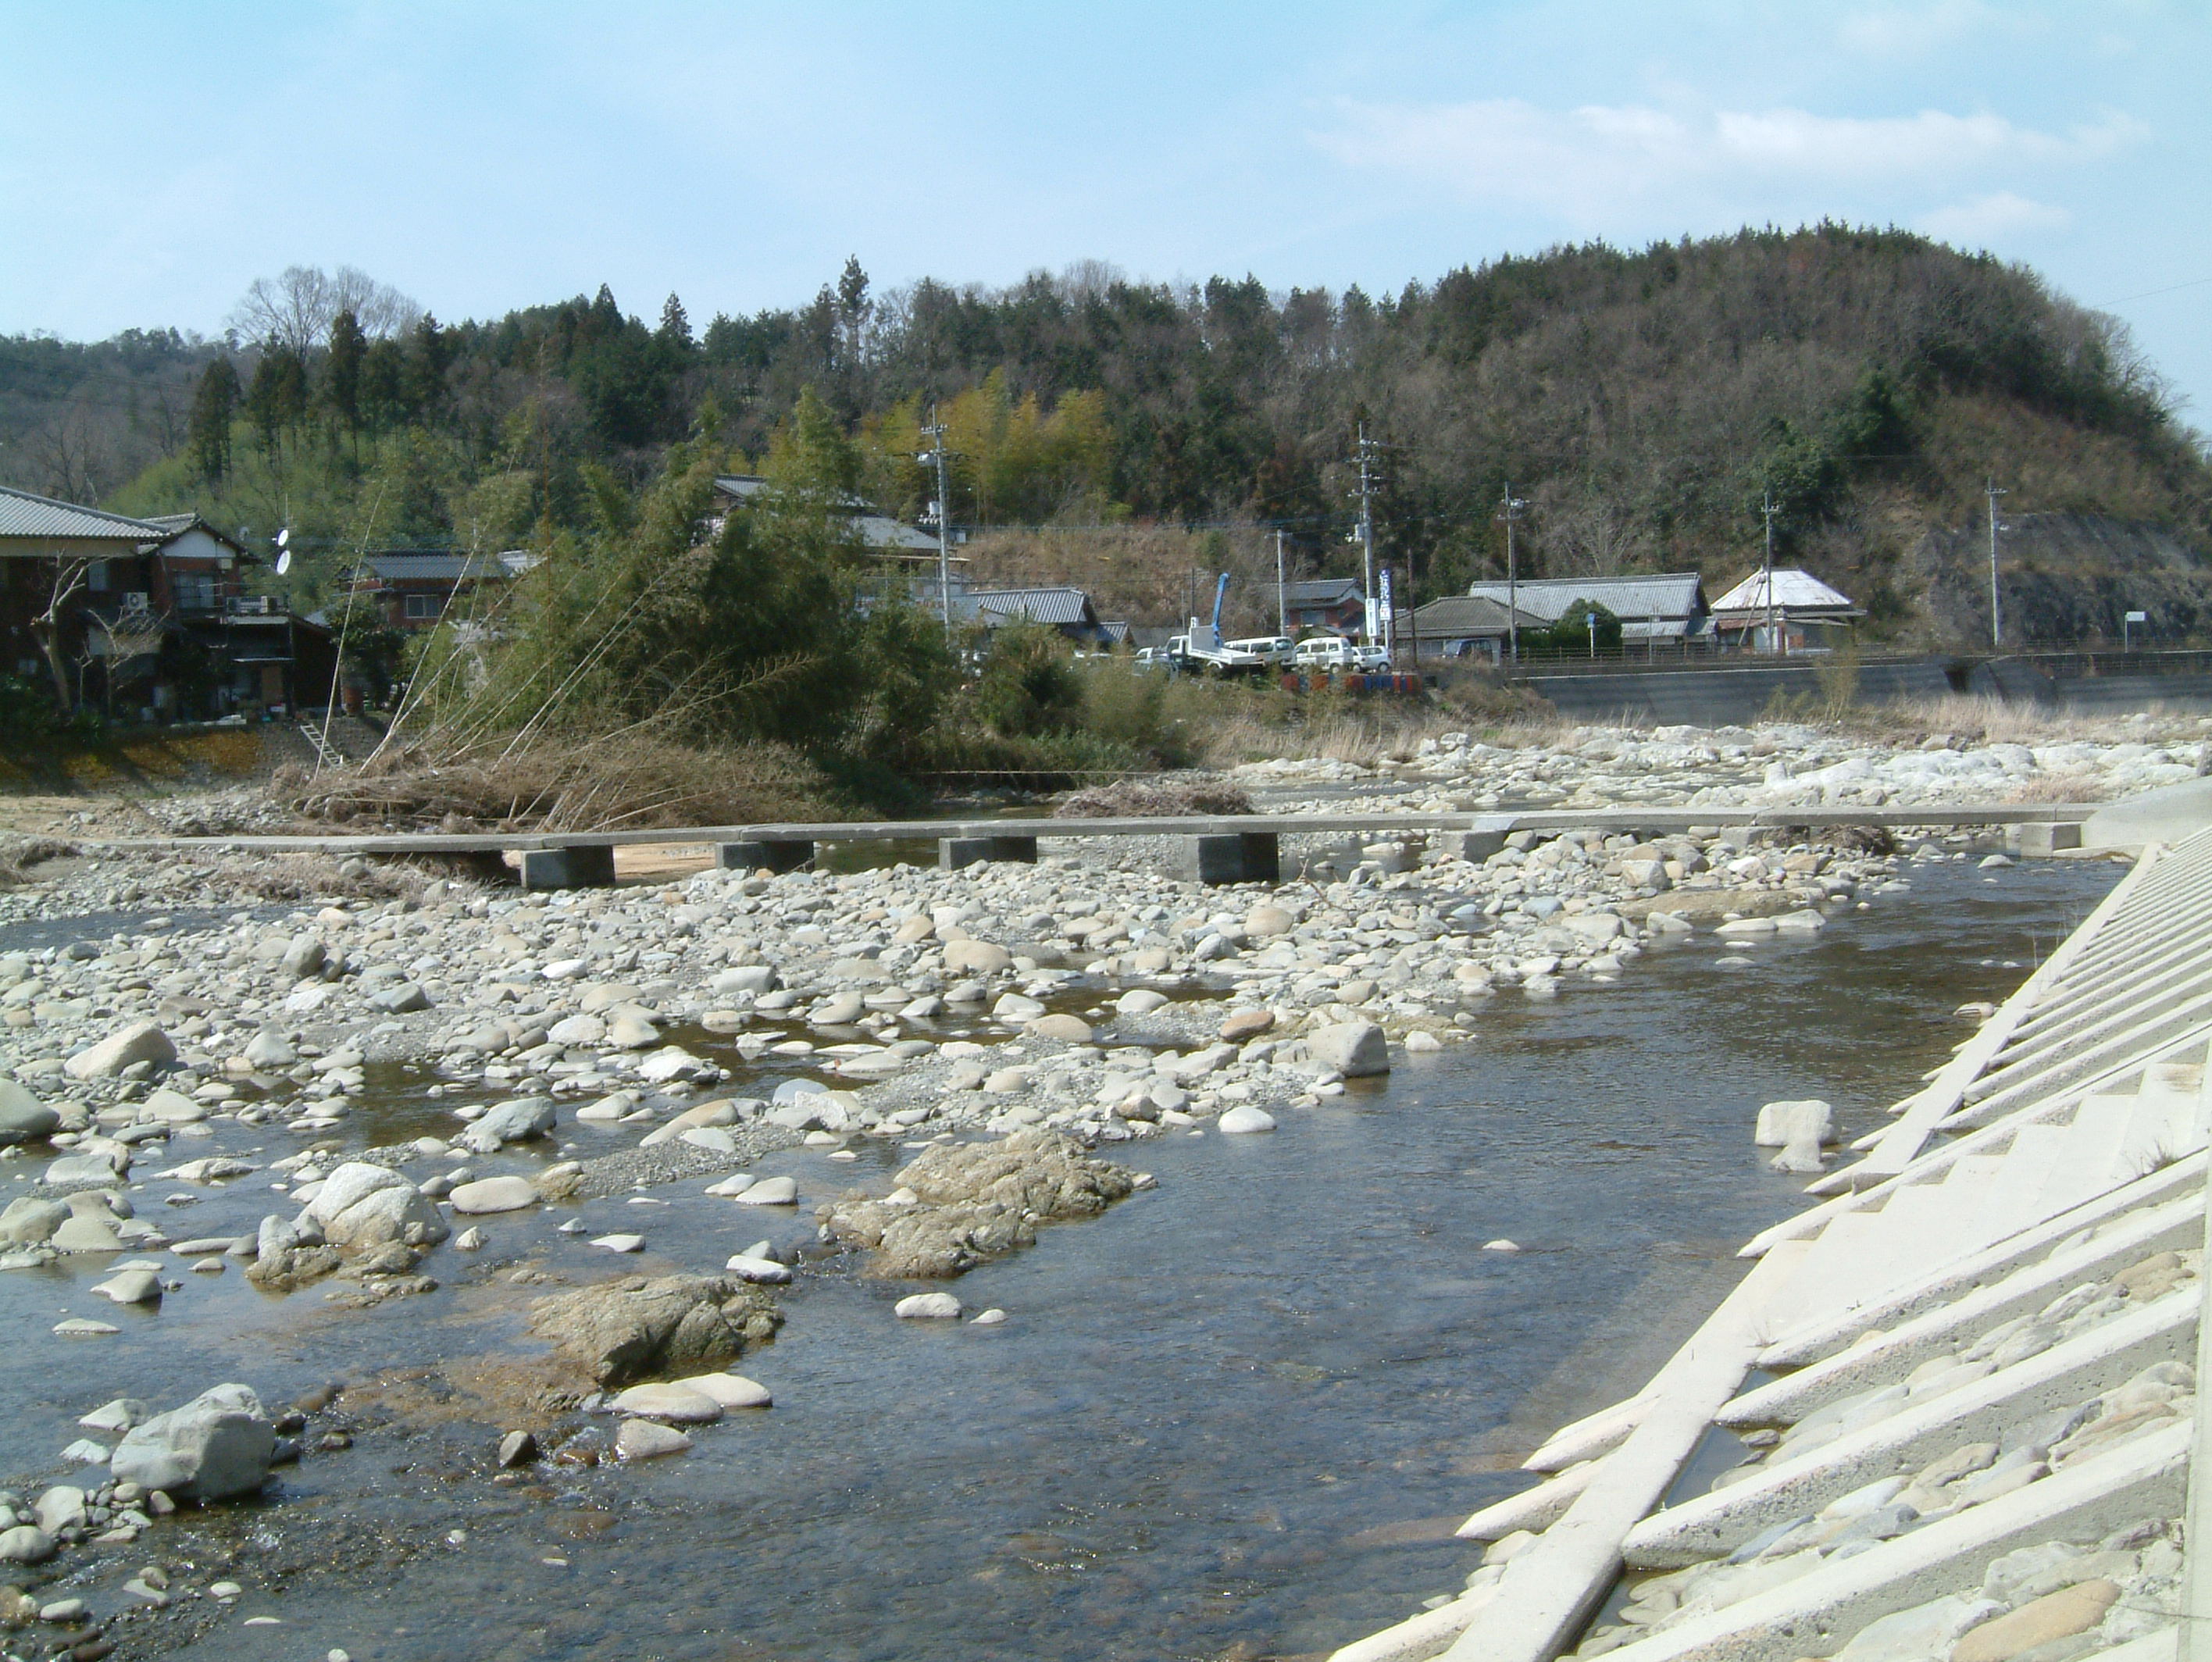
(2072, 684)
(1960, 1390)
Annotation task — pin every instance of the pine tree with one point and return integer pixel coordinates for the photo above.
(215, 403)
(675, 326)
(342, 373)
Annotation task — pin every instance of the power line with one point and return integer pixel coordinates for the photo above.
(2172, 289)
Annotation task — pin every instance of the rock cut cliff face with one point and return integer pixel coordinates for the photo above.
(2065, 579)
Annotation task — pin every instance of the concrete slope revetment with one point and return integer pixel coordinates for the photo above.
(1961, 1387)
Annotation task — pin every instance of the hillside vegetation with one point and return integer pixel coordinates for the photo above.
(1123, 434)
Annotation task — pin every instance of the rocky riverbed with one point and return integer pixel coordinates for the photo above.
(348, 1084)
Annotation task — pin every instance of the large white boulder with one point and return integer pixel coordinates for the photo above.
(1352, 1048)
(514, 1121)
(363, 1205)
(217, 1445)
(142, 1042)
(1783, 1123)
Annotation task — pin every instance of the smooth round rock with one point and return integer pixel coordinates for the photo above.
(928, 1307)
(1139, 1001)
(1244, 1024)
(745, 1266)
(649, 1440)
(770, 1191)
(131, 1286)
(731, 1391)
(679, 1403)
(1244, 1119)
(493, 1194)
(1072, 1028)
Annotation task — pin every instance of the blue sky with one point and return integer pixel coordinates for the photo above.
(155, 158)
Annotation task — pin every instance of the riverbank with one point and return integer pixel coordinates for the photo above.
(706, 1078)
(1280, 1376)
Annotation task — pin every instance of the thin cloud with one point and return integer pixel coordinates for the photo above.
(1598, 159)
(1993, 218)
(1893, 31)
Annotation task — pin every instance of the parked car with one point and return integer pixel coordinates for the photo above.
(1333, 651)
(1276, 652)
(1229, 658)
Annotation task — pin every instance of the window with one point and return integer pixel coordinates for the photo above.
(422, 607)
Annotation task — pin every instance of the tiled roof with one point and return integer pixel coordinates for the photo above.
(1321, 591)
(1675, 597)
(24, 515)
(1039, 606)
(1467, 615)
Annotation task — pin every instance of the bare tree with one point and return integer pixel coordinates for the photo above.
(74, 454)
(296, 310)
(71, 574)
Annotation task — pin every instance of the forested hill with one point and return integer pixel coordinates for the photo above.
(1641, 402)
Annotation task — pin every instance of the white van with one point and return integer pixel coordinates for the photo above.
(1333, 651)
(1275, 650)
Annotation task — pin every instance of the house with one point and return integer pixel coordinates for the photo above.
(881, 536)
(1332, 605)
(415, 588)
(147, 616)
(1469, 627)
(1665, 610)
(1068, 611)
(1807, 612)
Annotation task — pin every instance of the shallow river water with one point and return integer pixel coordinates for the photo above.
(1237, 1416)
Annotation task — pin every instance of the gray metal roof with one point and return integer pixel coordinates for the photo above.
(1796, 592)
(1321, 591)
(42, 519)
(434, 567)
(1054, 606)
(1469, 615)
(1676, 598)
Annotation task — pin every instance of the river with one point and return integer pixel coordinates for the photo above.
(1236, 1417)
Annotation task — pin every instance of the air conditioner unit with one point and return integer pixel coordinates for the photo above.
(134, 600)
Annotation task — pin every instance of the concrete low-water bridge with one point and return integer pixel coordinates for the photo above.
(1231, 848)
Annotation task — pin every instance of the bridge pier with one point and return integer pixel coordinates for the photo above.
(2040, 840)
(576, 866)
(955, 852)
(1237, 856)
(779, 854)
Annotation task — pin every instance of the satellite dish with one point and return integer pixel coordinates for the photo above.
(284, 537)
(283, 562)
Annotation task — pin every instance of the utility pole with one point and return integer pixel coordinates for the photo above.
(1368, 481)
(1997, 623)
(1509, 510)
(934, 457)
(1282, 608)
(1774, 642)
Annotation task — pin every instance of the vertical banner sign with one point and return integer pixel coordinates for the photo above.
(1389, 616)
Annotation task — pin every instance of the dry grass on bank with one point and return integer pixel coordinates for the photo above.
(18, 855)
(1981, 719)
(632, 781)
(1152, 796)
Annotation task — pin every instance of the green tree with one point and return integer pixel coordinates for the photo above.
(1029, 686)
(276, 399)
(342, 370)
(675, 331)
(383, 385)
(1570, 635)
(215, 406)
